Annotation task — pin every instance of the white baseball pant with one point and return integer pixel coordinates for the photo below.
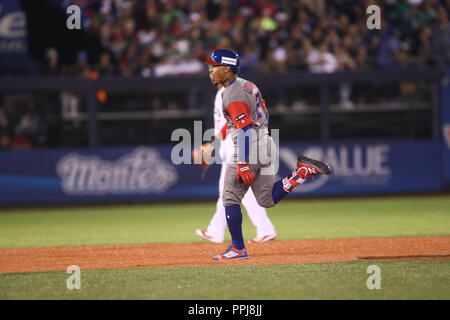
(257, 214)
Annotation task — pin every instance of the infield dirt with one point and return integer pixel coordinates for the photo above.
(150, 255)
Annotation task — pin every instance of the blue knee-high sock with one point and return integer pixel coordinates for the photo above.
(278, 192)
(234, 221)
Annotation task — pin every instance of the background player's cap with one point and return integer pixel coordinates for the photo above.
(225, 57)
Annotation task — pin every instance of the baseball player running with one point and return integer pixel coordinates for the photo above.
(215, 232)
(251, 164)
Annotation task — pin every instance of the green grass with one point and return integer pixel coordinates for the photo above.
(297, 219)
(399, 280)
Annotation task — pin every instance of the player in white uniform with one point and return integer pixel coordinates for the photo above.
(215, 232)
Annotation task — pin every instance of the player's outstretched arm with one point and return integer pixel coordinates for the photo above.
(202, 154)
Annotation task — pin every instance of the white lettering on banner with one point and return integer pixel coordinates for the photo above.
(368, 163)
(142, 170)
(357, 165)
(13, 25)
(12, 33)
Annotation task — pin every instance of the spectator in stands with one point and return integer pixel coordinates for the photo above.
(317, 7)
(11, 136)
(441, 40)
(146, 37)
(304, 52)
(249, 58)
(391, 52)
(28, 130)
(18, 142)
(362, 61)
(344, 60)
(345, 63)
(424, 46)
(105, 67)
(321, 60)
(52, 63)
(82, 68)
(4, 124)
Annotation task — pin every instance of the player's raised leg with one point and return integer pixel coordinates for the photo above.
(306, 168)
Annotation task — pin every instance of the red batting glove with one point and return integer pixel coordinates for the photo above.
(245, 173)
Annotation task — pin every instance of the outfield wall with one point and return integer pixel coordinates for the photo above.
(147, 173)
(445, 116)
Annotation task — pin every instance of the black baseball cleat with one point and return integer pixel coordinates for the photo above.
(313, 166)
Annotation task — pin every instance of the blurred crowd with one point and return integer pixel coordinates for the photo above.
(169, 37)
(155, 38)
(21, 124)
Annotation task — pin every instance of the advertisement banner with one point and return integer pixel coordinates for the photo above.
(445, 116)
(107, 174)
(369, 168)
(148, 173)
(13, 36)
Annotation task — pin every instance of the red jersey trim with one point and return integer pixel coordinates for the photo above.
(240, 114)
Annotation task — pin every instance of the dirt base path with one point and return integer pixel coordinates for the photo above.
(200, 254)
